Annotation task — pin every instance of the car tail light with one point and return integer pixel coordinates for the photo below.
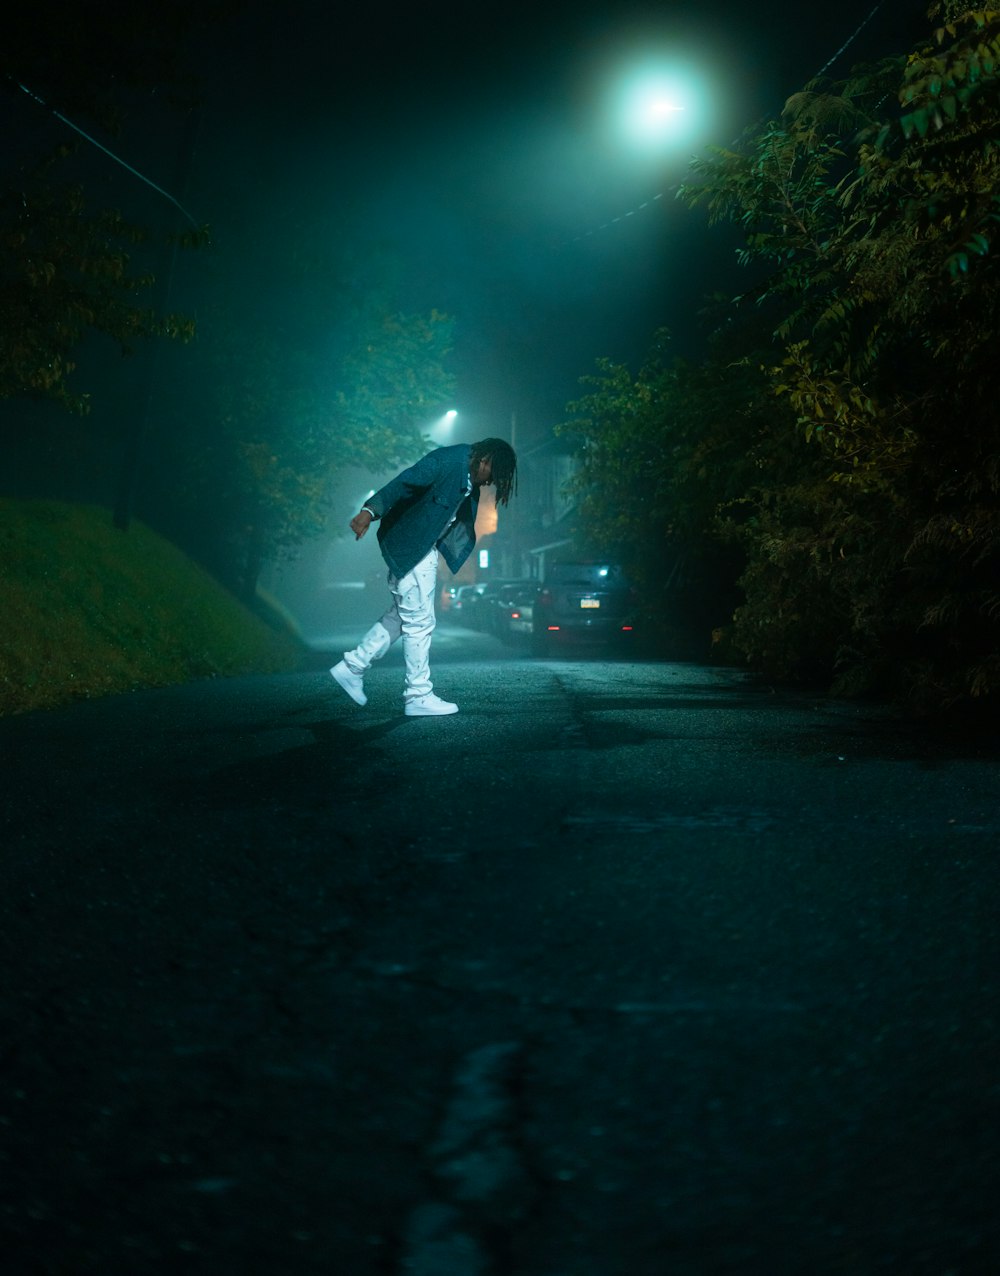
(626, 629)
(515, 615)
(553, 629)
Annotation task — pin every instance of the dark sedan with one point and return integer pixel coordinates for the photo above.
(584, 601)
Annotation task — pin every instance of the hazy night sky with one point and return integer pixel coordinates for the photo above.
(479, 144)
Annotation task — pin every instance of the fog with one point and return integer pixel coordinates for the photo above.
(351, 169)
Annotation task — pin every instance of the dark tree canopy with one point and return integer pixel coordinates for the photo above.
(863, 476)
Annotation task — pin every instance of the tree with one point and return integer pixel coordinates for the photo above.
(70, 265)
(873, 230)
(672, 461)
(66, 270)
(292, 404)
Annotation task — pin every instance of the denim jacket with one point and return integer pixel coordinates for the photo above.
(417, 505)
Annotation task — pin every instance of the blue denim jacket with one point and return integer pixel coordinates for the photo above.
(417, 505)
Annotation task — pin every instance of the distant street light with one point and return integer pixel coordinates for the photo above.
(441, 429)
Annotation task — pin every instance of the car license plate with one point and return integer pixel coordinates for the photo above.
(590, 602)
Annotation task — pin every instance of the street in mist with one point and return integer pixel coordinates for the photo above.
(630, 967)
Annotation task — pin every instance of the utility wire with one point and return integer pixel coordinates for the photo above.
(848, 42)
(101, 147)
(596, 230)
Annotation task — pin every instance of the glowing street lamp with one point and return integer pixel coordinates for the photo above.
(660, 104)
(661, 109)
(441, 430)
(658, 107)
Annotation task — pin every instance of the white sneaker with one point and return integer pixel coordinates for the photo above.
(431, 706)
(353, 683)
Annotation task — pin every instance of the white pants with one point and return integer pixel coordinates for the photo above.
(410, 617)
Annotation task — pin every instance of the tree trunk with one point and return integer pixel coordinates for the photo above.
(252, 563)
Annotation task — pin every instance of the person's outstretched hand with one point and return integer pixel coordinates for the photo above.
(360, 524)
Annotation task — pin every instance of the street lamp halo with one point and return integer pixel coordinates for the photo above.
(661, 104)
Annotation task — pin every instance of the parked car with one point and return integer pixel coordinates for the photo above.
(487, 612)
(516, 609)
(586, 601)
(463, 602)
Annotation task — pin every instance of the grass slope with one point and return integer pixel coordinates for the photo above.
(86, 610)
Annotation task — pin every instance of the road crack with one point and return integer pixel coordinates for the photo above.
(482, 1186)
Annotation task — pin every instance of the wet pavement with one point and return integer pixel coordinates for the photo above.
(628, 969)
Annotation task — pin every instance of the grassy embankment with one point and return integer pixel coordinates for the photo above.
(86, 610)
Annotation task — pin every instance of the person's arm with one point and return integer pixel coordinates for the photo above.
(417, 478)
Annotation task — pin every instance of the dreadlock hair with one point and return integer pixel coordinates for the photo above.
(504, 466)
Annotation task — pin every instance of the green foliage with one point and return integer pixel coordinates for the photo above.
(71, 264)
(302, 369)
(66, 270)
(89, 611)
(868, 501)
(390, 381)
(305, 383)
(890, 369)
(669, 463)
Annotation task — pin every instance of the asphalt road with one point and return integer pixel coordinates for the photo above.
(627, 969)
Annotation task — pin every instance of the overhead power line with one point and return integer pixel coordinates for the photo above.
(111, 154)
(848, 42)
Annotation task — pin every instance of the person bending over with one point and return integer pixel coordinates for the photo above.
(426, 511)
